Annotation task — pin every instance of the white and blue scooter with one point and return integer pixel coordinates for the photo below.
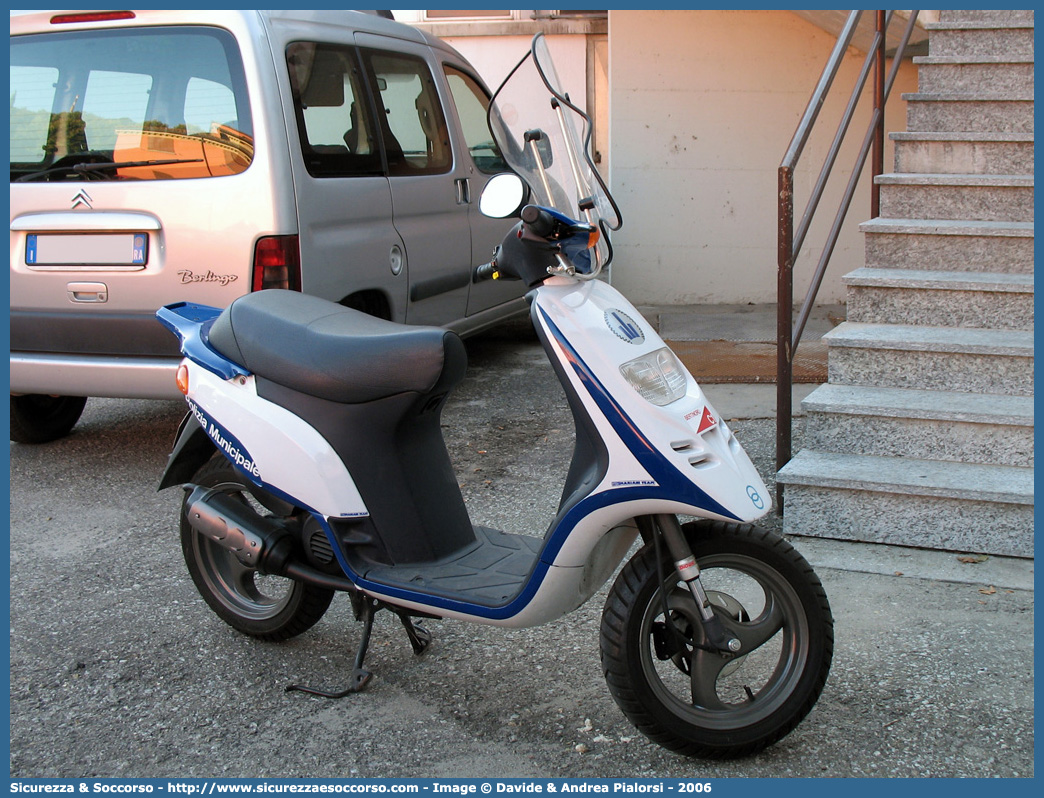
(313, 462)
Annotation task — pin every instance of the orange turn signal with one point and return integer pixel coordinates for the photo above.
(182, 379)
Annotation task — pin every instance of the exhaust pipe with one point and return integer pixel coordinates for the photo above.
(258, 542)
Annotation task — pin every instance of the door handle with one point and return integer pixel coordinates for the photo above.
(88, 292)
(463, 185)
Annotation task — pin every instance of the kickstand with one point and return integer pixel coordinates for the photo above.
(420, 638)
(365, 610)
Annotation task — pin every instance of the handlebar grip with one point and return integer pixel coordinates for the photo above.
(484, 272)
(539, 221)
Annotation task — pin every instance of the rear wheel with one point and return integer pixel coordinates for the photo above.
(261, 605)
(38, 418)
(698, 701)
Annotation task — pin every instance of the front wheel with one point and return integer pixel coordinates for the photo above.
(261, 605)
(699, 702)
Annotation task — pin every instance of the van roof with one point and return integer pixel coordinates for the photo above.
(367, 21)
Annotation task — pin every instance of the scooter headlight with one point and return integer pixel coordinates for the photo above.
(658, 376)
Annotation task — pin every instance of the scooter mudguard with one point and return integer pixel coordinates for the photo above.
(192, 448)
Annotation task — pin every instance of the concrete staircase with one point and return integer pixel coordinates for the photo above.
(924, 434)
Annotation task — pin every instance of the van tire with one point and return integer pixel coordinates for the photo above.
(39, 418)
(372, 303)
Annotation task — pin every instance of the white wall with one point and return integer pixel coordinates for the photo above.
(703, 105)
(494, 57)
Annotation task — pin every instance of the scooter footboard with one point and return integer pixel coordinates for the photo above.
(521, 591)
(490, 573)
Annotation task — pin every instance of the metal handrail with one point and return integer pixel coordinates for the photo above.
(788, 334)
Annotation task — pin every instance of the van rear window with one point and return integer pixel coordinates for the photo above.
(133, 104)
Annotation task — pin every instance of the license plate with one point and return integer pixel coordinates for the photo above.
(93, 249)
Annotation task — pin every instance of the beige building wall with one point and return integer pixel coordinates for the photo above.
(703, 105)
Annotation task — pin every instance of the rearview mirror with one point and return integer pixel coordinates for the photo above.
(503, 196)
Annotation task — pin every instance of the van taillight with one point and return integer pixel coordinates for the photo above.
(92, 16)
(277, 263)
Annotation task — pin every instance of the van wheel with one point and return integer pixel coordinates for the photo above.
(372, 303)
(38, 418)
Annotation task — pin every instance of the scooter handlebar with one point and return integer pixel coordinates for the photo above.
(538, 221)
(484, 272)
(526, 253)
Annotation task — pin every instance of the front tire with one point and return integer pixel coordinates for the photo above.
(38, 418)
(699, 702)
(260, 605)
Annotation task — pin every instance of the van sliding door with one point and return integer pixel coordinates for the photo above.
(429, 189)
(350, 250)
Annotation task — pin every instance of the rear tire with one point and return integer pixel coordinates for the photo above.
(698, 702)
(39, 418)
(260, 605)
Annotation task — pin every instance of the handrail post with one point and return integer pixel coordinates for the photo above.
(784, 322)
(877, 154)
(789, 239)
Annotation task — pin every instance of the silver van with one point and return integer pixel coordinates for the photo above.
(160, 156)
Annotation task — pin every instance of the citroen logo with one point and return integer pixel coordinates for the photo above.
(83, 199)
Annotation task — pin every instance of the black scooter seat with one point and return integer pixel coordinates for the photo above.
(326, 350)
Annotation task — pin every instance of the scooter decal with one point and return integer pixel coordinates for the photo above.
(755, 497)
(624, 327)
(707, 421)
(227, 444)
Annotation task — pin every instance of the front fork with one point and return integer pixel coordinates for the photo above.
(666, 526)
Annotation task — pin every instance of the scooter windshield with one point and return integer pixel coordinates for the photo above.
(546, 139)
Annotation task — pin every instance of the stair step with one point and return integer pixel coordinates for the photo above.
(969, 74)
(974, 113)
(995, 198)
(910, 502)
(987, 15)
(964, 153)
(946, 245)
(931, 358)
(928, 425)
(938, 298)
(987, 37)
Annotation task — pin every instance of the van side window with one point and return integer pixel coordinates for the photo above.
(414, 126)
(338, 136)
(472, 101)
